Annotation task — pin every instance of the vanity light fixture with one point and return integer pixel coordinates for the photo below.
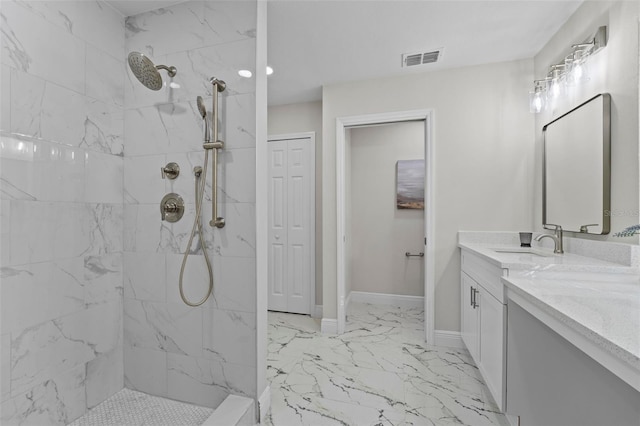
(569, 72)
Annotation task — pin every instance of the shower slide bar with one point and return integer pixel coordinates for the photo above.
(216, 145)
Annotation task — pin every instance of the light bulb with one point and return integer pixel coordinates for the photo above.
(537, 102)
(577, 71)
(536, 98)
(245, 73)
(555, 88)
(269, 70)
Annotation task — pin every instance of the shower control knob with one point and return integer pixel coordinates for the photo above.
(171, 207)
(171, 171)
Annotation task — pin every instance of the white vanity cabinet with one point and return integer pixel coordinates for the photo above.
(483, 320)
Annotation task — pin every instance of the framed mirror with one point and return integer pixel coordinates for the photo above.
(577, 168)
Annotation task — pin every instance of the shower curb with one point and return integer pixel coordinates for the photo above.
(234, 410)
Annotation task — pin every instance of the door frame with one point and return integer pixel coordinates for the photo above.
(312, 173)
(342, 124)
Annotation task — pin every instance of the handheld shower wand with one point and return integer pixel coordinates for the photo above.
(201, 174)
(203, 112)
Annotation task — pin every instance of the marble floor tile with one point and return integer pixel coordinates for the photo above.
(379, 372)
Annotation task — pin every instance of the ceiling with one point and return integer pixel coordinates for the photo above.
(312, 43)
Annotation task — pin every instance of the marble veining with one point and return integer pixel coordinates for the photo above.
(380, 371)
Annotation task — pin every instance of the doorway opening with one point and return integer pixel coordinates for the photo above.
(343, 207)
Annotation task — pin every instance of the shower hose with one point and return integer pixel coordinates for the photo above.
(197, 225)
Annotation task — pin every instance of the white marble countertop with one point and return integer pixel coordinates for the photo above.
(604, 308)
(567, 262)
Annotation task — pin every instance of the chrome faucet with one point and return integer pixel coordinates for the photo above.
(557, 238)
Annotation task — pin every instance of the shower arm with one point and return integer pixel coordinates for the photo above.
(218, 86)
(170, 70)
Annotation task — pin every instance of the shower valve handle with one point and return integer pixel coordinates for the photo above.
(171, 207)
(171, 171)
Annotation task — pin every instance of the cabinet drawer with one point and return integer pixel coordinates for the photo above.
(485, 274)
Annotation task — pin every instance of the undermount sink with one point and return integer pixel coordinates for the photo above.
(522, 250)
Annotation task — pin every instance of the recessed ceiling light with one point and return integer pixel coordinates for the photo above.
(269, 70)
(245, 73)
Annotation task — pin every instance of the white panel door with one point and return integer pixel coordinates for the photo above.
(278, 271)
(291, 225)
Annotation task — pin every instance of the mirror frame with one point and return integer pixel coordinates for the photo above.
(606, 164)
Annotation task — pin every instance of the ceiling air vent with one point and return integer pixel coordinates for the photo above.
(411, 59)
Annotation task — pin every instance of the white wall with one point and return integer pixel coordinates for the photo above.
(614, 69)
(298, 118)
(381, 233)
(483, 140)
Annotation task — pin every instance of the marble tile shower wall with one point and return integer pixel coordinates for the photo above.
(202, 354)
(61, 215)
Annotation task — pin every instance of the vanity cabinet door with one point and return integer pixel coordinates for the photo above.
(492, 344)
(470, 316)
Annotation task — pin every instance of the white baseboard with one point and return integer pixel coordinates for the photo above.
(450, 339)
(264, 403)
(329, 326)
(317, 313)
(385, 299)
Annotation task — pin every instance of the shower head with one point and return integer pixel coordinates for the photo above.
(147, 72)
(201, 107)
(203, 112)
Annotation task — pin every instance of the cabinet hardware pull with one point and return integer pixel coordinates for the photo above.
(471, 296)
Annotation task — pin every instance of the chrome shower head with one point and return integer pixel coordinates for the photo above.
(147, 72)
(203, 112)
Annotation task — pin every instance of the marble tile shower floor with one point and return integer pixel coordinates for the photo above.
(131, 408)
(379, 372)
